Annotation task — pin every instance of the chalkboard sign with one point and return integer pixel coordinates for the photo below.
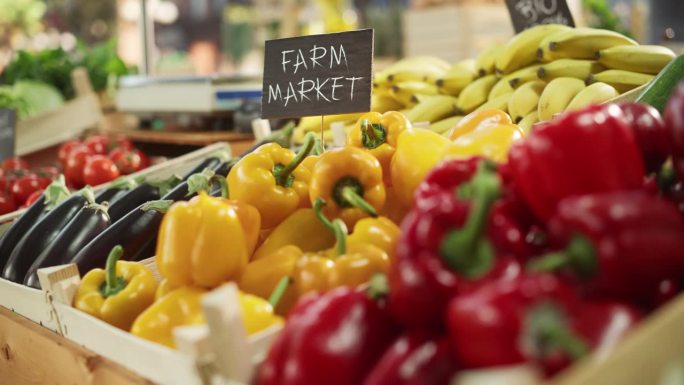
(318, 75)
(8, 120)
(528, 13)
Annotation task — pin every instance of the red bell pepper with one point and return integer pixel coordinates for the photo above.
(509, 220)
(533, 318)
(582, 152)
(443, 249)
(415, 358)
(653, 137)
(618, 245)
(674, 121)
(333, 339)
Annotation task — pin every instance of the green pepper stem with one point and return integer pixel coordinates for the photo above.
(113, 284)
(548, 329)
(309, 143)
(282, 136)
(279, 291)
(350, 195)
(337, 227)
(579, 255)
(466, 250)
(372, 135)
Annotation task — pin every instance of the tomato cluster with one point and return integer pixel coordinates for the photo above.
(19, 185)
(99, 159)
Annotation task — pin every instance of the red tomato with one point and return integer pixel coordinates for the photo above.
(50, 172)
(121, 141)
(99, 144)
(99, 169)
(33, 197)
(73, 170)
(129, 161)
(65, 149)
(7, 204)
(14, 163)
(27, 185)
(6, 183)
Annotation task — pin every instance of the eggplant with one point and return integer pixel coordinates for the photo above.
(87, 224)
(40, 236)
(178, 193)
(133, 232)
(132, 199)
(110, 195)
(211, 163)
(17, 230)
(224, 168)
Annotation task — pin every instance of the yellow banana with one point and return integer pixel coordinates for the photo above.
(570, 68)
(593, 94)
(501, 87)
(445, 125)
(525, 99)
(648, 59)
(414, 68)
(523, 75)
(521, 49)
(432, 109)
(457, 77)
(623, 81)
(486, 61)
(383, 103)
(500, 102)
(580, 43)
(557, 95)
(528, 121)
(475, 94)
(313, 123)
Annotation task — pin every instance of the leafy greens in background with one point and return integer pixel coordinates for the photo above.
(54, 67)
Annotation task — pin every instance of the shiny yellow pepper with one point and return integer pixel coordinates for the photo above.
(273, 179)
(378, 133)
(118, 294)
(302, 229)
(479, 119)
(183, 307)
(351, 263)
(418, 151)
(491, 142)
(202, 243)
(350, 179)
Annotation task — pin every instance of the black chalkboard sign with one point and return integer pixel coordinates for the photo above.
(8, 121)
(528, 13)
(318, 75)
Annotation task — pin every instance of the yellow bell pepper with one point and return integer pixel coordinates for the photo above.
(492, 142)
(353, 261)
(479, 119)
(118, 294)
(274, 180)
(202, 243)
(163, 289)
(377, 133)
(394, 208)
(297, 230)
(350, 179)
(183, 307)
(418, 151)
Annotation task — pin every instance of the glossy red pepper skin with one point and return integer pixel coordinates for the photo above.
(510, 220)
(582, 152)
(674, 121)
(630, 242)
(421, 283)
(415, 358)
(486, 325)
(653, 136)
(335, 339)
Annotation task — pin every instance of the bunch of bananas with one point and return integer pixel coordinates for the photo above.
(539, 73)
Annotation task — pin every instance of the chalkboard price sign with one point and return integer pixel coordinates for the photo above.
(318, 74)
(8, 120)
(528, 13)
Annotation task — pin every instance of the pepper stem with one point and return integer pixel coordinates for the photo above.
(283, 174)
(337, 226)
(548, 331)
(579, 255)
(372, 135)
(113, 284)
(350, 195)
(466, 250)
(279, 291)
